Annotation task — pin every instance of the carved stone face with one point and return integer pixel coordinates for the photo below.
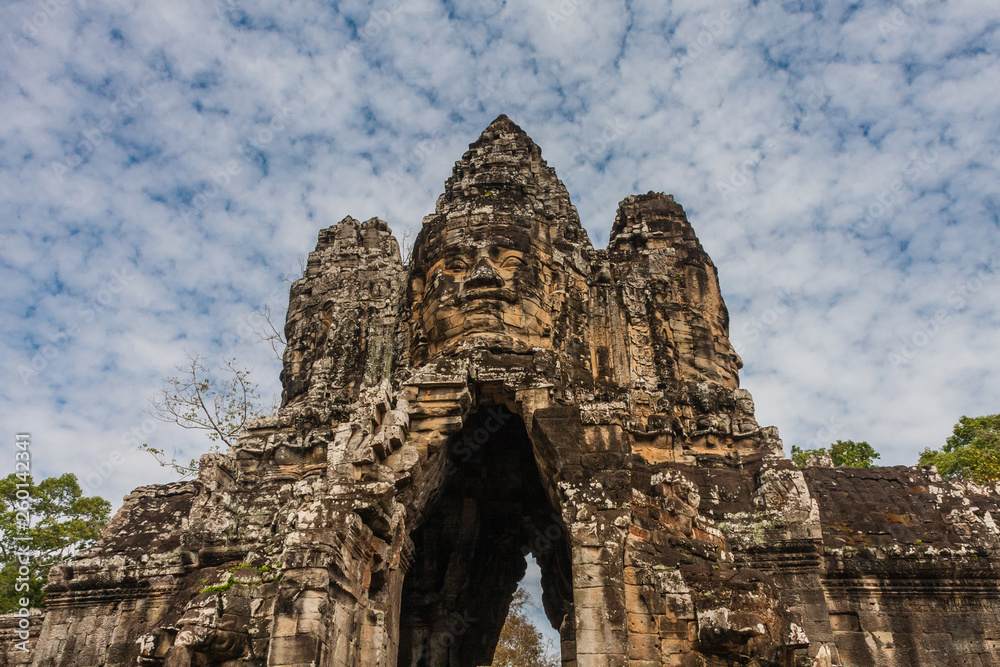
(484, 282)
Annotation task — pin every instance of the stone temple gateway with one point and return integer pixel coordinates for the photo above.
(510, 393)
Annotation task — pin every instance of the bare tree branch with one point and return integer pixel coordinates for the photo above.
(267, 332)
(197, 400)
(407, 245)
(303, 264)
(191, 468)
(220, 406)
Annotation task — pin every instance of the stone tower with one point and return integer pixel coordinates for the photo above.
(509, 393)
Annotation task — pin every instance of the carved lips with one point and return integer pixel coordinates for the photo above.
(468, 296)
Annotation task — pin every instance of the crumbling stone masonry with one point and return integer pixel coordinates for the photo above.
(514, 392)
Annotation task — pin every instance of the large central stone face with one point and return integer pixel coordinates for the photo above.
(484, 264)
(513, 392)
(484, 282)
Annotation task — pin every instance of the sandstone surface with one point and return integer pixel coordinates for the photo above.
(513, 392)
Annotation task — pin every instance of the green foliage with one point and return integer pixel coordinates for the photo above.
(843, 453)
(61, 520)
(851, 454)
(219, 588)
(800, 456)
(971, 453)
(521, 643)
(262, 570)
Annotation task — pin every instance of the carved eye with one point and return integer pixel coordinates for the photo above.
(456, 264)
(512, 262)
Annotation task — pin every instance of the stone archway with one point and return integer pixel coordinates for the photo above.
(489, 513)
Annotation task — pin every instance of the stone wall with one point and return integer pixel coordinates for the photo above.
(18, 636)
(513, 392)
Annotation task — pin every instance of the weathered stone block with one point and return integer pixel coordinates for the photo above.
(512, 391)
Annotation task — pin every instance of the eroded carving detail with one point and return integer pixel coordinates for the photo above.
(514, 392)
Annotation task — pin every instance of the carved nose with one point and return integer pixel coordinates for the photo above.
(484, 275)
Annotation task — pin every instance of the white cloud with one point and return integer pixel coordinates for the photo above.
(326, 111)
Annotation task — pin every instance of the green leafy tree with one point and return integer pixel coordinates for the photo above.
(971, 453)
(800, 456)
(57, 519)
(843, 454)
(851, 454)
(521, 643)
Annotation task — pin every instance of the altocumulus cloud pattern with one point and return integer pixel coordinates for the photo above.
(164, 165)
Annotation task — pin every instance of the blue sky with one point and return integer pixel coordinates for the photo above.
(164, 165)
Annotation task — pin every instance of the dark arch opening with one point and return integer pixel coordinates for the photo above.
(491, 512)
